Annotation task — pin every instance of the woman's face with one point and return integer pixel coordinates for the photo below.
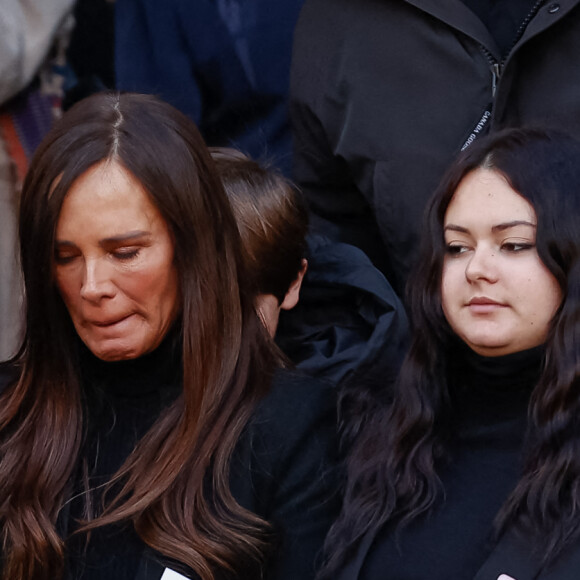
(497, 294)
(114, 264)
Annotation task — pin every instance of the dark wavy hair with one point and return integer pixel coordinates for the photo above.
(392, 468)
(163, 487)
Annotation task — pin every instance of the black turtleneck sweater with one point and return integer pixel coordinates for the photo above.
(282, 467)
(490, 398)
(122, 399)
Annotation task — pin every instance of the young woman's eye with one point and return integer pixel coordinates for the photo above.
(455, 249)
(516, 246)
(126, 254)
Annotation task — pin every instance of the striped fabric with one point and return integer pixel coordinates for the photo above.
(23, 123)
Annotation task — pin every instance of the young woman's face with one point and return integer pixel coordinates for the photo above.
(497, 294)
(114, 264)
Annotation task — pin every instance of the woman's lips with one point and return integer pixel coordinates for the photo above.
(482, 305)
(109, 323)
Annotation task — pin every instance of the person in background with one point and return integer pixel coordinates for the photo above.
(331, 311)
(146, 423)
(385, 94)
(29, 102)
(224, 63)
(473, 470)
(273, 223)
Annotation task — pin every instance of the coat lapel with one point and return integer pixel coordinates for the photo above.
(511, 556)
(352, 569)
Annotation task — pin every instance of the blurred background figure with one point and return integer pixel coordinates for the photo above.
(385, 94)
(30, 32)
(225, 63)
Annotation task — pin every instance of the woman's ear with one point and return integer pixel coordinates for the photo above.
(293, 294)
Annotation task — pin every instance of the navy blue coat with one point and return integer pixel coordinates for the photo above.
(225, 63)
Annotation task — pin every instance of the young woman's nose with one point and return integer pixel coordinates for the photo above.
(482, 265)
(97, 283)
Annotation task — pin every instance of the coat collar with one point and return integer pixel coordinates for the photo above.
(457, 15)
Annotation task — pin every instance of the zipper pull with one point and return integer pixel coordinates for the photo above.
(495, 74)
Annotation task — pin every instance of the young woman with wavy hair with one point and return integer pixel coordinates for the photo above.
(145, 422)
(472, 470)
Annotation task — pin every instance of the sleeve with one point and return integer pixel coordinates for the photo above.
(297, 463)
(323, 167)
(27, 29)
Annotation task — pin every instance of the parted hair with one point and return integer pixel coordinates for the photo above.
(164, 485)
(272, 220)
(392, 468)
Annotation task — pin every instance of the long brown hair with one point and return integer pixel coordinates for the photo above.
(227, 361)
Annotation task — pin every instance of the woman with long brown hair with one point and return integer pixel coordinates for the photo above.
(145, 422)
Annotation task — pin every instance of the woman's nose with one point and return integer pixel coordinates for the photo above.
(97, 282)
(482, 265)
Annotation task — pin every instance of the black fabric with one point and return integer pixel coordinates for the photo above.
(502, 19)
(91, 50)
(385, 93)
(515, 557)
(490, 399)
(283, 467)
(349, 324)
(123, 400)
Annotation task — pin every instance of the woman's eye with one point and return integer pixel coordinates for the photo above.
(126, 253)
(455, 249)
(62, 259)
(516, 246)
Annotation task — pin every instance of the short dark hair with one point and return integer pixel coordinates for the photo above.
(271, 217)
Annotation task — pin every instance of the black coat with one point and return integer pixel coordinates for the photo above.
(282, 469)
(488, 400)
(349, 325)
(384, 94)
(512, 556)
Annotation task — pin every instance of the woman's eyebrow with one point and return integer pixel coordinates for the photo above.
(496, 228)
(455, 228)
(126, 237)
(512, 224)
(66, 243)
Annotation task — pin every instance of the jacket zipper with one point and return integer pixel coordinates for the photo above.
(497, 67)
(496, 72)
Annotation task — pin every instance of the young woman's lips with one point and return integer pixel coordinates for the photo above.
(484, 305)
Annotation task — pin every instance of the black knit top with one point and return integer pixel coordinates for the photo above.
(282, 468)
(489, 399)
(122, 399)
